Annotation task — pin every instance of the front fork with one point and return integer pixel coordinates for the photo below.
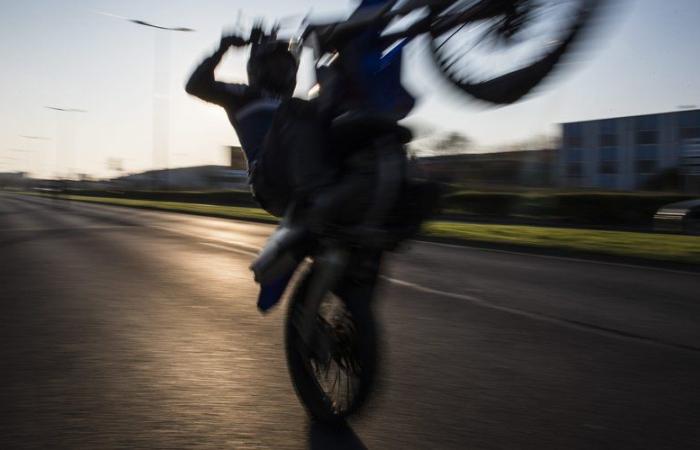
(327, 271)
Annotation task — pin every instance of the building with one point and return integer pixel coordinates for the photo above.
(198, 177)
(514, 168)
(690, 165)
(626, 153)
(12, 179)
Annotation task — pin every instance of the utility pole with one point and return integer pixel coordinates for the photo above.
(161, 89)
(66, 155)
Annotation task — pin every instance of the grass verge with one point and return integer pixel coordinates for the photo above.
(228, 212)
(646, 246)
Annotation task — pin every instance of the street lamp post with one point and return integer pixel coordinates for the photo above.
(161, 91)
(58, 151)
(38, 159)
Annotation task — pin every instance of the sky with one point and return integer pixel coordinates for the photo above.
(66, 54)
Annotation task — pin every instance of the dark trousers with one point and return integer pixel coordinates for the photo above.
(296, 159)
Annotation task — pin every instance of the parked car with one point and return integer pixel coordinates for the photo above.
(680, 217)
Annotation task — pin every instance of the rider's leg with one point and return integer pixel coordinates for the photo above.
(295, 160)
(309, 164)
(300, 162)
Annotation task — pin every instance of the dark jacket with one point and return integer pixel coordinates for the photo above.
(250, 111)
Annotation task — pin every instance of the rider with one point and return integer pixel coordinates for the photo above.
(252, 109)
(285, 139)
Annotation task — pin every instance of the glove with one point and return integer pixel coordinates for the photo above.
(232, 40)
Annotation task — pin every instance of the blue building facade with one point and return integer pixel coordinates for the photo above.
(624, 153)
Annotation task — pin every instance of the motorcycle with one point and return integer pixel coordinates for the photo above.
(331, 336)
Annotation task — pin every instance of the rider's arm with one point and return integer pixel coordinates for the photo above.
(203, 85)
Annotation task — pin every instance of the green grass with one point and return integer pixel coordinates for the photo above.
(649, 246)
(229, 212)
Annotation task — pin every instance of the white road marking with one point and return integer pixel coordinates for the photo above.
(474, 300)
(588, 328)
(230, 249)
(581, 326)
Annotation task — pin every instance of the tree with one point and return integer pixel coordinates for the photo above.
(453, 142)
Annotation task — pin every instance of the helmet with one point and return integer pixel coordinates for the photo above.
(272, 66)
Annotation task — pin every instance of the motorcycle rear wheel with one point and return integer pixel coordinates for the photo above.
(334, 386)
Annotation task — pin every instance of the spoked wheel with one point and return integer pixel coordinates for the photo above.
(512, 46)
(334, 377)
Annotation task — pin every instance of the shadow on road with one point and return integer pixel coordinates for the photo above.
(339, 438)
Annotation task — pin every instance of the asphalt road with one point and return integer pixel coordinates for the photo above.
(124, 328)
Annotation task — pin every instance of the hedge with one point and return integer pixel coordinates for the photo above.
(580, 208)
(595, 208)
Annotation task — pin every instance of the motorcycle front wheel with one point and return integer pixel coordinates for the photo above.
(511, 50)
(333, 376)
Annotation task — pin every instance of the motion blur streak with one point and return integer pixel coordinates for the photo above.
(120, 329)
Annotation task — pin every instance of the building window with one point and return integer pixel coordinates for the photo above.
(608, 160)
(647, 132)
(646, 166)
(574, 155)
(608, 133)
(647, 137)
(608, 154)
(574, 162)
(574, 170)
(608, 140)
(646, 159)
(646, 153)
(608, 167)
(573, 141)
(689, 125)
(690, 133)
(608, 181)
(573, 135)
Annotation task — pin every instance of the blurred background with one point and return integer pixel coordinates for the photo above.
(552, 302)
(96, 100)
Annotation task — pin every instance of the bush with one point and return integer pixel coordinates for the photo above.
(606, 209)
(620, 209)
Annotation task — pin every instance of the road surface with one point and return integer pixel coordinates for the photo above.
(124, 328)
